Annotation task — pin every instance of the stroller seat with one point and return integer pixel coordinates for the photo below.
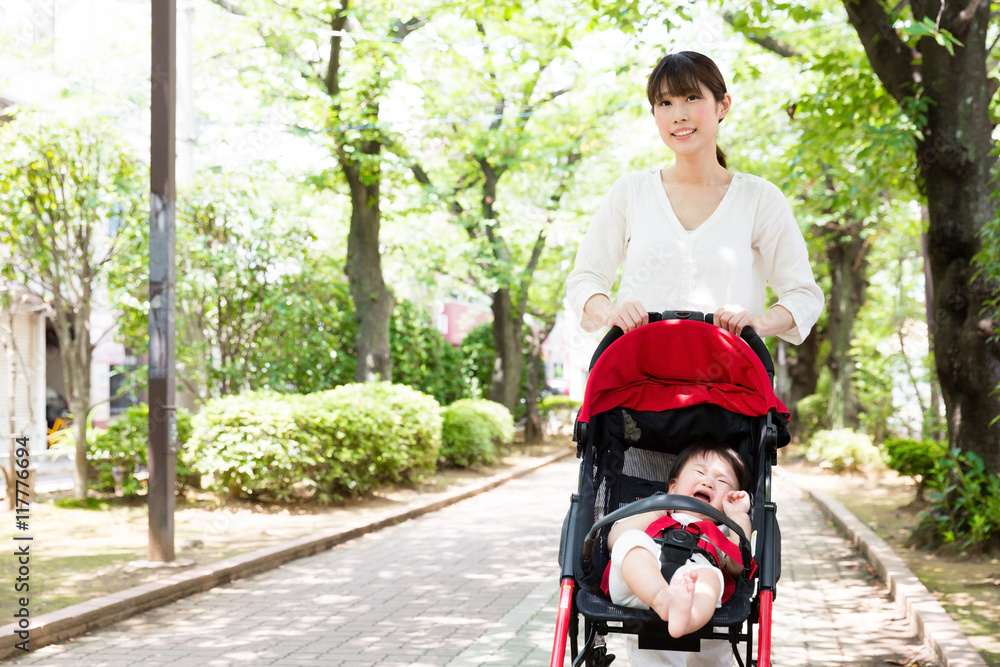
(652, 392)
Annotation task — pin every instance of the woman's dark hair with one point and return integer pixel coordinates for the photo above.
(723, 451)
(682, 74)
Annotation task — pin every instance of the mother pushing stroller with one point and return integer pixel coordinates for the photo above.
(694, 236)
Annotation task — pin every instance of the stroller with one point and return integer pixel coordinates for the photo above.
(677, 381)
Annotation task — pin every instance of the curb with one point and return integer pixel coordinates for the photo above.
(69, 621)
(934, 626)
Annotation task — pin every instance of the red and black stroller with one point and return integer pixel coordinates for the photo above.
(677, 381)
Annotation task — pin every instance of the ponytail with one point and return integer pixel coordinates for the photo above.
(720, 156)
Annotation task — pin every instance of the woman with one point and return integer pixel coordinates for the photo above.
(694, 236)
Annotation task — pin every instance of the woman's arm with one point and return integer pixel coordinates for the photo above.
(601, 252)
(785, 260)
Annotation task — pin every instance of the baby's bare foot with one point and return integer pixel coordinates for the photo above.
(681, 601)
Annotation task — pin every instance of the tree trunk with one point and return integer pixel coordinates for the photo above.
(533, 430)
(955, 162)
(373, 301)
(76, 352)
(505, 384)
(848, 284)
(360, 161)
(954, 158)
(931, 427)
(802, 371)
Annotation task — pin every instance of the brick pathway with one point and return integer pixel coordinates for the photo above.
(473, 584)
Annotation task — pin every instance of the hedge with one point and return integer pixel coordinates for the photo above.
(475, 432)
(328, 445)
(118, 456)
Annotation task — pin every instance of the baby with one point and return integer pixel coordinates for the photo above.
(710, 472)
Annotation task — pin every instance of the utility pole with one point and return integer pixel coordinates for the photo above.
(162, 279)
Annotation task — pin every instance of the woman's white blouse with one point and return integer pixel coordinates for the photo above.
(750, 241)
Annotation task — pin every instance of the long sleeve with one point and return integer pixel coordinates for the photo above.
(601, 252)
(785, 263)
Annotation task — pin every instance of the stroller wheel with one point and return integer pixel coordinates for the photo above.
(595, 651)
(600, 657)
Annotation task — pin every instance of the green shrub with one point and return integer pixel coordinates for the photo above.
(965, 502)
(557, 403)
(328, 445)
(843, 449)
(478, 359)
(914, 458)
(118, 456)
(475, 432)
(810, 415)
(558, 413)
(308, 343)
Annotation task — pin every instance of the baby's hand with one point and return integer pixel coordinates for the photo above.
(736, 502)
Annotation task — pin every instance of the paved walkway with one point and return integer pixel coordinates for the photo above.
(473, 584)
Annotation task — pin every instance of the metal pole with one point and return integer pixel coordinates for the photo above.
(162, 386)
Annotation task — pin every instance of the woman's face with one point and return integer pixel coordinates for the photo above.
(689, 123)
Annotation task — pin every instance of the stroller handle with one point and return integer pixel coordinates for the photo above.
(748, 335)
(661, 502)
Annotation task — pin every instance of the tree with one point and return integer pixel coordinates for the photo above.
(70, 198)
(343, 84)
(307, 344)
(935, 60)
(238, 235)
(849, 162)
(238, 238)
(512, 121)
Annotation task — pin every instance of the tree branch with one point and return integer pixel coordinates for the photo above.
(890, 57)
(400, 29)
(964, 17)
(767, 43)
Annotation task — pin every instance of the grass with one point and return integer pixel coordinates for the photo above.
(85, 549)
(966, 585)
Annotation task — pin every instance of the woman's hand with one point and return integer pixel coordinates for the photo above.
(630, 315)
(736, 503)
(733, 318)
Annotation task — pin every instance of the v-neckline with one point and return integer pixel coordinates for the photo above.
(668, 208)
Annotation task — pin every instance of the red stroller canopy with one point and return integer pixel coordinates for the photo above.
(676, 364)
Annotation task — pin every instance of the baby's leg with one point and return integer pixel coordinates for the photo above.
(694, 594)
(640, 571)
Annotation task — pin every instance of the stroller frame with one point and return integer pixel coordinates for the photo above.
(625, 441)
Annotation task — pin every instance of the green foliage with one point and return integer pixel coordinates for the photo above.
(557, 403)
(478, 358)
(422, 358)
(914, 458)
(328, 445)
(965, 502)
(843, 449)
(116, 455)
(478, 355)
(70, 198)
(475, 432)
(93, 504)
(812, 415)
(307, 344)
(988, 263)
(237, 237)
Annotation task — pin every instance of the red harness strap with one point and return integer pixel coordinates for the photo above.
(710, 538)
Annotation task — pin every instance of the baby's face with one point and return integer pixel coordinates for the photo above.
(708, 477)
